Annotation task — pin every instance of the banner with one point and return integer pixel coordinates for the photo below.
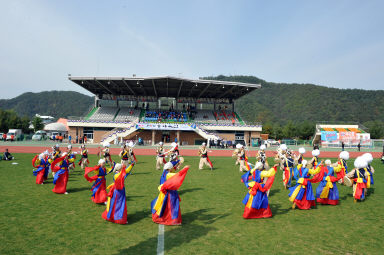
(328, 135)
(166, 126)
(347, 136)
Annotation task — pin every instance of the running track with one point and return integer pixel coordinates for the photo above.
(183, 152)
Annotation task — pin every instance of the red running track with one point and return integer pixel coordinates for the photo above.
(183, 152)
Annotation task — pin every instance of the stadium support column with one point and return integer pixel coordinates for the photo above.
(178, 136)
(233, 106)
(153, 136)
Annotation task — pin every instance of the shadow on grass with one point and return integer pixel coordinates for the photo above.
(272, 192)
(189, 190)
(73, 190)
(138, 216)
(177, 236)
(137, 173)
(277, 210)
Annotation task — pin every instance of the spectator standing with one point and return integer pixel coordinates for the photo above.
(342, 146)
(69, 139)
(5, 138)
(85, 139)
(358, 146)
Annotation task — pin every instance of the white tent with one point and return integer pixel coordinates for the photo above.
(58, 127)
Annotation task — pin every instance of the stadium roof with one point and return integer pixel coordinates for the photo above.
(164, 87)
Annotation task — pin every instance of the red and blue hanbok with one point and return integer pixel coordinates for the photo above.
(327, 192)
(166, 207)
(288, 165)
(99, 193)
(302, 194)
(116, 210)
(42, 165)
(60, 167)
(256, 200)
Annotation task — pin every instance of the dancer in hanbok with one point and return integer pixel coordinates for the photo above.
(288, 166)
(256, 200)
(71, 155)
(41, 163)
(124, 155)
(315, 159)
(60, 167)
(99, 193)
(327, 192)
(166, 207)
(160, 156)
(369, 170)
(262, 157)
(301, 195)
(342, 164)
(116, 210)
(204, 158)
(84, 157)
(107, 154)
(358, 177)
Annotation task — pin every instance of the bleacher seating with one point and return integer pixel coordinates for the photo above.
(106, 113)
(205, 116)
(128, 114)
(171, 116)
(226, 117)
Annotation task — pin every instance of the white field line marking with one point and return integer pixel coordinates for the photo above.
(160, 240)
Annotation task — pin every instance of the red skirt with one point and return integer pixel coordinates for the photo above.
(61, 184)
(101, 194)
(326, 201)
(252, 213)
(40, 178)
(166, 219)
(305, 204)
(111, 219)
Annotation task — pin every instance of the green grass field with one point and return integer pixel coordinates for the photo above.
(34, 220)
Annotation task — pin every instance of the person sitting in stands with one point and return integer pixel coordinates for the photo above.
(7, 155)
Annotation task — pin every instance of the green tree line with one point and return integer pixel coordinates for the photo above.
(280, 106)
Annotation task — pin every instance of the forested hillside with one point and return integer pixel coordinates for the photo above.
(53, 103)
(280, 105)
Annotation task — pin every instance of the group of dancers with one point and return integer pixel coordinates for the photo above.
(259, 178)
(165, 208)
(298, 176)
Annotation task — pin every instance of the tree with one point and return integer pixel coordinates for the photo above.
(289, 130)
(306, 130)
(37, 124)
(267, 128)
(376, 129)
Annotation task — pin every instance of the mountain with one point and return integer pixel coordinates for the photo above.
(282, 102)
(53, 103)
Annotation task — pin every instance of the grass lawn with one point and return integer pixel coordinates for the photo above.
(34, 220)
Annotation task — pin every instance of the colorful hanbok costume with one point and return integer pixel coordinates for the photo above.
(256, 200)
(99, 193)
(327, 192)
(41, 163)
(166, 207)
(288, 165)
(359, 178)
(116, 210)
(60, 167)
(369, 170)
(302, 194)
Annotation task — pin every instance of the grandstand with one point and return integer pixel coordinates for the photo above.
(163, 109)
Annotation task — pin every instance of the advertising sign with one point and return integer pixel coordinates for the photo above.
(328, 135)
(347, 136)
(165, 126)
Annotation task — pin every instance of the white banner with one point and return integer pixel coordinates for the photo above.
(165, 126)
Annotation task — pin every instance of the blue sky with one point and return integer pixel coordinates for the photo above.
(331, 43)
